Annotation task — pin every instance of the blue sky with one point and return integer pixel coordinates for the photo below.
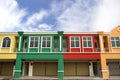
(54, 15)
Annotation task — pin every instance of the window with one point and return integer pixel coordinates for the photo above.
(75, 42)
(115, 41)
(33, 41)
(87, 42)
(6, 42)
(46, 42)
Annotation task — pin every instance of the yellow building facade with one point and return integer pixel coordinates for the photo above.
(110, 59)
(8, 47)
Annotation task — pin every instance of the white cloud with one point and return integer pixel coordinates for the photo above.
(90, 15)
(78, 17)
(108, 15)
(70, 15)
(45, 27)
(10, 15)
(36, 17)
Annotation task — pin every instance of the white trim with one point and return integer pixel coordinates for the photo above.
(19, 43)
(104, 70)
(60, 43)
(38, 43)
(29, 43)
(51, 44)
(60, 70)
(17, 71)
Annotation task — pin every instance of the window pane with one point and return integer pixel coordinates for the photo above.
(36, 38)
(8, 43)
(43, 44)
(77, 43)
(117, 43)
(113, 43)
(89, 38)
(32, 38)
(48, 43)
(84, 43)
(112, 38)
(117, 38)
(44, 38)
(36, 44)
(77, 38)
(89, 44)
(72, 38)
(72, 43)
(4, 44)
(31, 43)
(48, 38)
(84, 38)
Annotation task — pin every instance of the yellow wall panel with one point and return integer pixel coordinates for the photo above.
(7, 56)
(104, 58)
(115, 32)
(12, 47)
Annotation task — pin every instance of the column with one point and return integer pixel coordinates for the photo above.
(61, 67)
(17, 72)
(91, 73)
(30, 69)
(105, 72)
(60, 33)
(20, 41)
(101, 44)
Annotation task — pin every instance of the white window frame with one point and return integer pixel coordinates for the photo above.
(75, 41)
(114, 41)
(46, 41)
(87, 41)
(34, 42)
(3, 41)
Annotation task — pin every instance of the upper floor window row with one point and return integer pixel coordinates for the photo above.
(6, 42)
(86, 40)
(46, 41)
(115, 41)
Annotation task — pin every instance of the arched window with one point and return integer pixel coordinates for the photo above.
(6, 42)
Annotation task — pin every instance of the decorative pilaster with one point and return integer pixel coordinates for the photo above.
(20, 44)
(60, 33)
